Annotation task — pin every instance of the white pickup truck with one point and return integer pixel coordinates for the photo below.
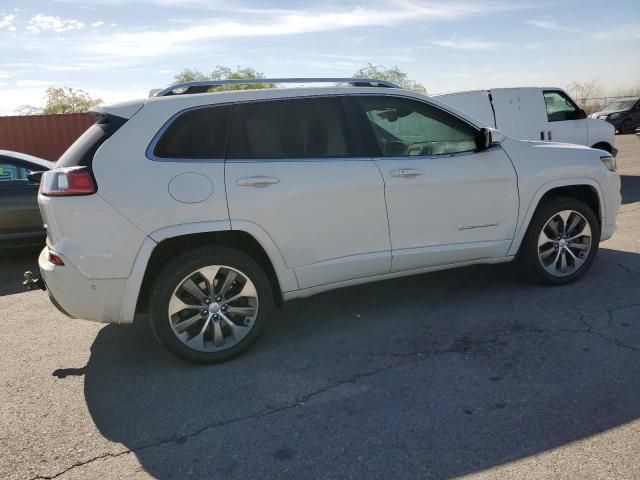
(532, 113)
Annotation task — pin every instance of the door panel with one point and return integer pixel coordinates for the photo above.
(19, 213)
(328, 218)
(463, 208)
(293, 168)
(561, 127)
(519, 112)
(446, 203)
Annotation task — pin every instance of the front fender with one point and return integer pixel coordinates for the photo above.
(523, 225)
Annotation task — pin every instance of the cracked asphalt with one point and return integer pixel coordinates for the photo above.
(470, 372)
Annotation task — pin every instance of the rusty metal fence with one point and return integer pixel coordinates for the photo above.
(45, 136)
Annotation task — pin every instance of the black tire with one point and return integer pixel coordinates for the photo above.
(182, 266)
(626, 127)
(528, 255)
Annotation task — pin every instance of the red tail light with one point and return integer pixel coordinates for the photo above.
(55, 259)
(67, 182)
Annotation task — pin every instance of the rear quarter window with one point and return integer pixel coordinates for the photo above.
(196, 134)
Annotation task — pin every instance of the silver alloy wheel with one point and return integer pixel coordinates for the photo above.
(564, 243)
(213, 308)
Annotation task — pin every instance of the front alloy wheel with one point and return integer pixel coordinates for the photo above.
(561, 241)
(564, 243)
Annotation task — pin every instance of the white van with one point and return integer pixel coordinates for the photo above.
(532, 113)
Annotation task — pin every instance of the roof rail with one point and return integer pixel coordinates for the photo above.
(203, 87)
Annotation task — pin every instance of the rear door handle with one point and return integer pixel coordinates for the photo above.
(257, 181)
(406, 173)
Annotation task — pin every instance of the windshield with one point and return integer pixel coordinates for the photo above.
(619, 106)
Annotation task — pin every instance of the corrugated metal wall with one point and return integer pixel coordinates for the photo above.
(45, 136)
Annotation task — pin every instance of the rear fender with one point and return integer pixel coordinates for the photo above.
(132, 289)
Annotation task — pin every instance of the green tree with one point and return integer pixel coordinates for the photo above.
(68, 100)
(62, 100)
(225, 73)
(393, 75)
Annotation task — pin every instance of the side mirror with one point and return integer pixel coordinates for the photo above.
(578, 115)
(483, 139)
(35, 177)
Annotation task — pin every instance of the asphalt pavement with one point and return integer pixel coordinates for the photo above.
(469, 372)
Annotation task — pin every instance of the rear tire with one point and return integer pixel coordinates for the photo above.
(626, 127)
(210, 304)
(561, 241)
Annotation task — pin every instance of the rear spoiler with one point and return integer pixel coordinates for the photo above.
(124, 110)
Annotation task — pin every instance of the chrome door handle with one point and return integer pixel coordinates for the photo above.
(406, 173)
(257, 181)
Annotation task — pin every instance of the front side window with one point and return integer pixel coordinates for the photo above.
(403, 127)
(196, 134)
(12, 173)
(293, 128)
(559, 106)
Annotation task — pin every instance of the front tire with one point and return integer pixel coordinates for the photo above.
(210, 304)
(561, 241)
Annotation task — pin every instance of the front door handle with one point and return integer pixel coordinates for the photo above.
(259, 181)
(406, 173)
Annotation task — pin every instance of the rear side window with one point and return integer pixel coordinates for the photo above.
(295, 128)
(199, 133)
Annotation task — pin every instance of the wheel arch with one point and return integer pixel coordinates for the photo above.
(585, 189)
(167, 242)
(606, 146)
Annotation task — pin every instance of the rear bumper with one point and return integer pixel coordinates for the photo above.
(78, 296)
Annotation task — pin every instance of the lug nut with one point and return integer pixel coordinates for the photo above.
(207, 300)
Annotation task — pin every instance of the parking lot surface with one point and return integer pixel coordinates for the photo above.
(469, 372)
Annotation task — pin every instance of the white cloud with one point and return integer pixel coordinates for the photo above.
(621, 32)
(41, 22)
(34, 83)
(549, 24)
(269, 22)
(7, 22)
(466, 44)
(99, 23)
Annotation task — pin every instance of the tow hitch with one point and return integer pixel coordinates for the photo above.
(33, 283)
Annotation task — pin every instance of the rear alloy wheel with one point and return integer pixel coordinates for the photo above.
(213, 308)
(561, 242)
(210, 304)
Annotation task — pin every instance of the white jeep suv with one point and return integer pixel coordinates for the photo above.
(206, 210)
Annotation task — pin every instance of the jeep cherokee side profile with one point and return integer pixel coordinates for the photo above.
(206, 210)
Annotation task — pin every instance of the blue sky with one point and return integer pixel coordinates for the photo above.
(120, 49)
